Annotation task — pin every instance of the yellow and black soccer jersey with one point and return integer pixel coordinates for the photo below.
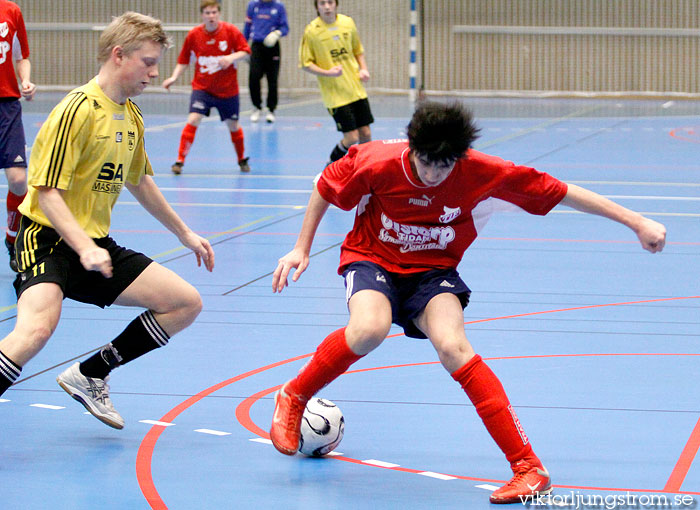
(88, 147)
(328, 46)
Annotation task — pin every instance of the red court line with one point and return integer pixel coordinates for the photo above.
(243, 416)
(145, 452)
(684, 462)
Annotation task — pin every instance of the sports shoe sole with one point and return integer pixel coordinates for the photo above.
(520, 499)
(73, 392)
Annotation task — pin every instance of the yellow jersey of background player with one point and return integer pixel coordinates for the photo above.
(88, 147)
(329, 45)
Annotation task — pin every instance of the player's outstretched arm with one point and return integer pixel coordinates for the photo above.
(150, 197)
(651, 234)
(298, 258)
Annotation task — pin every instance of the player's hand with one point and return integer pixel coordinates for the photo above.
(167, 82)
(652, 235)
(97, 259)
(28, 90)
(295, 259)
(335, 72)
(226, 61)
(201, 248)
(364, 75)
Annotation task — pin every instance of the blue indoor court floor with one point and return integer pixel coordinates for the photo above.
(595, 340)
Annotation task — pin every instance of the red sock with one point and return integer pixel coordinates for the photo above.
(332, 358)
(13, 216)
(488, 396)
(237, 139)
(186, 140)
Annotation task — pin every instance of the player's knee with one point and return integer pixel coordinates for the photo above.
(364, 134)
(454, 353)
(366, 334)
(191, 303)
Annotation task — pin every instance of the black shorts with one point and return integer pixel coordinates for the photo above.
(408, 295)
(43, 256)
(202, 102)
(13, 147)
(351, 116)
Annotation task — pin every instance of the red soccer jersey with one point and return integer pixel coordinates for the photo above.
(13, 46)
(406, 226)
(204, 49)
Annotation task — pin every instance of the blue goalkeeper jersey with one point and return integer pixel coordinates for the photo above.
(264, 17)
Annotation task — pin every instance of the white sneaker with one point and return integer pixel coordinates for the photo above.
(270, 117)
(255, 116)
(93, 393)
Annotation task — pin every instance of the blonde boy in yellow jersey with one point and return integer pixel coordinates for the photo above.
(90, 147)
(331, 50)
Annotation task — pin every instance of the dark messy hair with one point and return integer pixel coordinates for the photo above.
(441, 133)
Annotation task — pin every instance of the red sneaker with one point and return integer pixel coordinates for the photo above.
(286, 422)
(528, 482)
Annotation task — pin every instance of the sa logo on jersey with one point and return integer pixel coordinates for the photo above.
(110, 179)
(338, 53)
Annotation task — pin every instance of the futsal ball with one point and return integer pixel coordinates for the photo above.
(322, 427)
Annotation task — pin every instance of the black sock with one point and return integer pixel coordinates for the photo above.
(142, 335)
(338, 151)
(9, 372)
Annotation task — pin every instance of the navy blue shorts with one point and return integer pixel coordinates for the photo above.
(351, 116)
(408, 295)
(13, 147)
(202, 102)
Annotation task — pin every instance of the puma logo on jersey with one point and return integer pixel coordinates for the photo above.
(424, 201)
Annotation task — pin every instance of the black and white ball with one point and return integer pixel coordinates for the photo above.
(322, 427)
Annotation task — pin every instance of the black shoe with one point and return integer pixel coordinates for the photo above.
(244, 166)
(11, 251)
(177, 167)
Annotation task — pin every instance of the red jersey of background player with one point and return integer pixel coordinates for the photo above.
(13, 46)
(406, 226)
(204, 48)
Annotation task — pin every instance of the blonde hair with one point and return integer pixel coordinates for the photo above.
(209, 3)
(130, 31)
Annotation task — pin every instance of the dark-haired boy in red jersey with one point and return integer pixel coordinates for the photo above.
(215, 46)
(419, 205)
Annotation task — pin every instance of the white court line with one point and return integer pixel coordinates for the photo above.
(486, 486)
(651, 197)
(213, 432)
(260, 440)
(4, 400)
(439, 476)
(380, 463)
(46, 406)
(156, 422)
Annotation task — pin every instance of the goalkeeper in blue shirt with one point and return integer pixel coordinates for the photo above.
(265, 24)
